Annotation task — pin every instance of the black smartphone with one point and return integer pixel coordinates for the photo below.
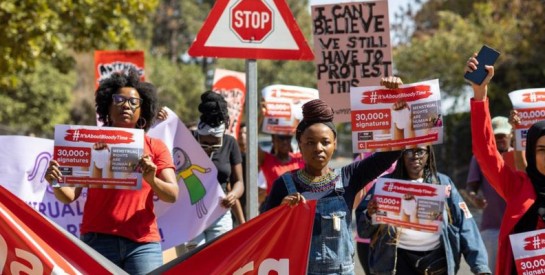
(486, 56)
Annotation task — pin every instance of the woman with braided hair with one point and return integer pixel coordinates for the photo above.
(332, 249)
(396, 250)
(224, 152)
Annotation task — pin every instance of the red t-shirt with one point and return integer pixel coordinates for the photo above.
(127, 213)
(273, 168)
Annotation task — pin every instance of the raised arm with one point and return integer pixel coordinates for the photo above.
(500, 176)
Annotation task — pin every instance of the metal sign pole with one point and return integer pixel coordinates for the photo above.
(251, 127)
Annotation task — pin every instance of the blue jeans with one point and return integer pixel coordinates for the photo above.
(221, 226)
(490, 239)
(133, 257)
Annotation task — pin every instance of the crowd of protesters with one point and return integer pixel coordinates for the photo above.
(508, 185)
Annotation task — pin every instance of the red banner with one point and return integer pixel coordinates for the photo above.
(275, 242)
(29, 244)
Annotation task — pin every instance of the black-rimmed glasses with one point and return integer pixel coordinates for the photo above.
(418, 152)
(120, 100)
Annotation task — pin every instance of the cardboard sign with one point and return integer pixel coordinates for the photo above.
(283, 107)
(99, 157)
(395, 119)
(417, 206)
(529, 251)
(352, 48)
(530, 105)
(109, 62)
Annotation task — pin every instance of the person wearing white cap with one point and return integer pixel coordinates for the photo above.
(488, 199)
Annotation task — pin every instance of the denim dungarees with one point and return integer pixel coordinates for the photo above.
(331, 248)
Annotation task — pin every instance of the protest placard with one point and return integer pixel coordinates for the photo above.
(529, 251)
(98, 157)
(395, 119)
(283, 107)
(109, 62)
(418, 206)
(232, 86)
(530, 105)
(351, 48)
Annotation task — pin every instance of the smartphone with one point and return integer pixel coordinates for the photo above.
(486, 56)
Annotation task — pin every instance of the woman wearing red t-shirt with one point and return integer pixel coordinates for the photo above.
(121, 224)
(282, 159)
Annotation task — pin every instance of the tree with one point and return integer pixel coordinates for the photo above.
(447, 32)
(179, 86)
(38, 102)
(37, 31)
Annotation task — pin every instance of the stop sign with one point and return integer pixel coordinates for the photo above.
(251, 20)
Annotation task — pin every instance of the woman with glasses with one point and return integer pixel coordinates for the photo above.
(395, 250)
(224, 152)
(121, 224)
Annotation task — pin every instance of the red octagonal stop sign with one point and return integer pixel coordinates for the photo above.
(251, 20)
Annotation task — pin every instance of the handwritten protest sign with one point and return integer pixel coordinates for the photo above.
(351, 48)
(97, 157)
(109, 62)
(418, 206)
(394, 119)
(530, 105)
(283, 107)
(232, 86)
(529, 251)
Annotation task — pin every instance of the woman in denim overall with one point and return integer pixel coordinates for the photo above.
(331, 250)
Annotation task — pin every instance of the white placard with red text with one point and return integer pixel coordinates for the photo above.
(418, 206)
(530, 105)
(283, 107)
(529, 251)
(395, 119)
(99, 157)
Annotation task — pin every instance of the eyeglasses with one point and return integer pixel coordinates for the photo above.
(208, 147)
(418, 152)
(120, 100)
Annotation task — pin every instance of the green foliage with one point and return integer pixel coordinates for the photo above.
(36, 31)
(179, 86)
(38, 102)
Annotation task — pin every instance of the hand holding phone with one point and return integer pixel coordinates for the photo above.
(486, 56)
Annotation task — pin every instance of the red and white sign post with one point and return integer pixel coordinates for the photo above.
(251, 29)
(251, 20)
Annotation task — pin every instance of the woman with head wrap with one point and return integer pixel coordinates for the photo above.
(225, 154)
(524, 193)
(335, 189)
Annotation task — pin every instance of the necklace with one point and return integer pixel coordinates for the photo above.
(316, 184)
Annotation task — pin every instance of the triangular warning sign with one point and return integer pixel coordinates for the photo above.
(251, 29)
